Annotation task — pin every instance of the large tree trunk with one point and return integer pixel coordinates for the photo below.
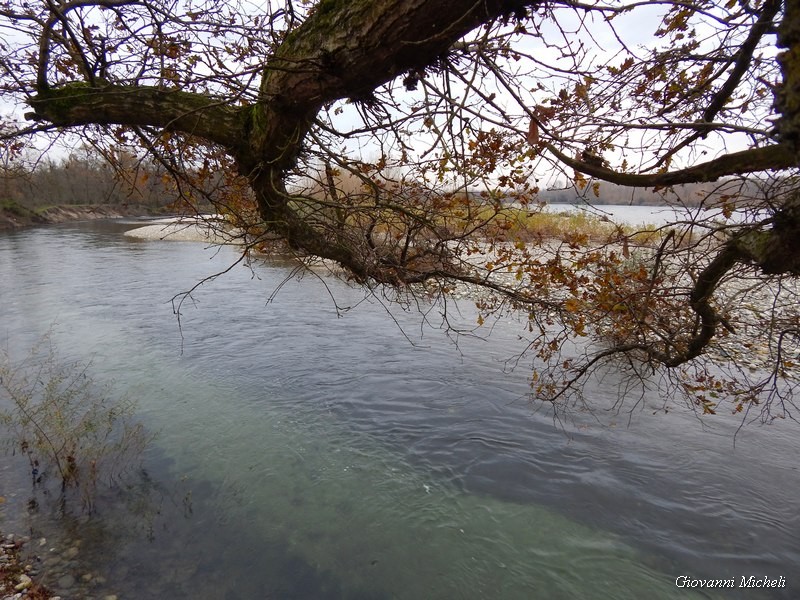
(345, 49)
(788, 97)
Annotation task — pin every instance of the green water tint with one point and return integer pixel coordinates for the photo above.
(288, 473)
(294, 478)
(292, 500)
(297, 477)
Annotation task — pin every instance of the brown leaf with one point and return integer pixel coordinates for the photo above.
(533, 133)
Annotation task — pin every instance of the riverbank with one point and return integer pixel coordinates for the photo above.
(211, 229)
(15, 216)
(17, 575)
(31, 570)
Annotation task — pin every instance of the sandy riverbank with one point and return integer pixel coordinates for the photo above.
(210, 229)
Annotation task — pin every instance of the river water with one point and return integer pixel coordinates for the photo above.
(302, 453)
(647, 216)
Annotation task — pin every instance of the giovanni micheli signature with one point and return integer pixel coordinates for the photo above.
(743, 581)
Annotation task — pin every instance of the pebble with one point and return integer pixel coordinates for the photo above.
(24, 583)
(66, 581)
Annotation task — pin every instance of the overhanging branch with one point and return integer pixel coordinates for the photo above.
(775, 157)
(80, 104)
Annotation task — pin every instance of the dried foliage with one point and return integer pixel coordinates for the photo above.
(392, 138)
(71, 431)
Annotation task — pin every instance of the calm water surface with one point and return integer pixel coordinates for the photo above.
(646, 216)
(301, 454)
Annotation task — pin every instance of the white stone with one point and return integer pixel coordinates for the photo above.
(24, 583)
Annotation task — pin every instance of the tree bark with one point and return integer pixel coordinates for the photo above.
(788, 97)
(774, 157)
(194, 114)
(345, 49)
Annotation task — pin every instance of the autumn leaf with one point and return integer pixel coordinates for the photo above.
(533, 133)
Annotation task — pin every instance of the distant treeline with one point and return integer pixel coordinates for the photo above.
(690, 195)
(87, 180)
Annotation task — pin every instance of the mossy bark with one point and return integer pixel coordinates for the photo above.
(788, 97)
(80, 103)
(345, 49)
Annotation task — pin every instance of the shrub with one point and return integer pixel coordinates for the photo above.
(70, 428)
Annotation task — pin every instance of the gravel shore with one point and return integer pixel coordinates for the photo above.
(30, 569)
(18, 576)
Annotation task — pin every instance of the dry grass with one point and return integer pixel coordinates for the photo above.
(351, 200)
(536, 225)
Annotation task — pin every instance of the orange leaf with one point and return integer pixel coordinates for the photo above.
(533, 133)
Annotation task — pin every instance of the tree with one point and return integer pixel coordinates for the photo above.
(389, 136)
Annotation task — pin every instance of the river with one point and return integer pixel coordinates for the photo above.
(303, 453)
(647, 216)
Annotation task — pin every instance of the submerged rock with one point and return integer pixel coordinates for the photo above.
(14, 581)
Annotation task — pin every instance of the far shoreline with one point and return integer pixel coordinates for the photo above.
(14, 216)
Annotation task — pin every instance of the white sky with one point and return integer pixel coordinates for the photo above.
(636, 28)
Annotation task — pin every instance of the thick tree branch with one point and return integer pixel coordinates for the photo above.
(788, 96)
(345, 49)
(194, 114)
(774, 157)
(744, 58)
